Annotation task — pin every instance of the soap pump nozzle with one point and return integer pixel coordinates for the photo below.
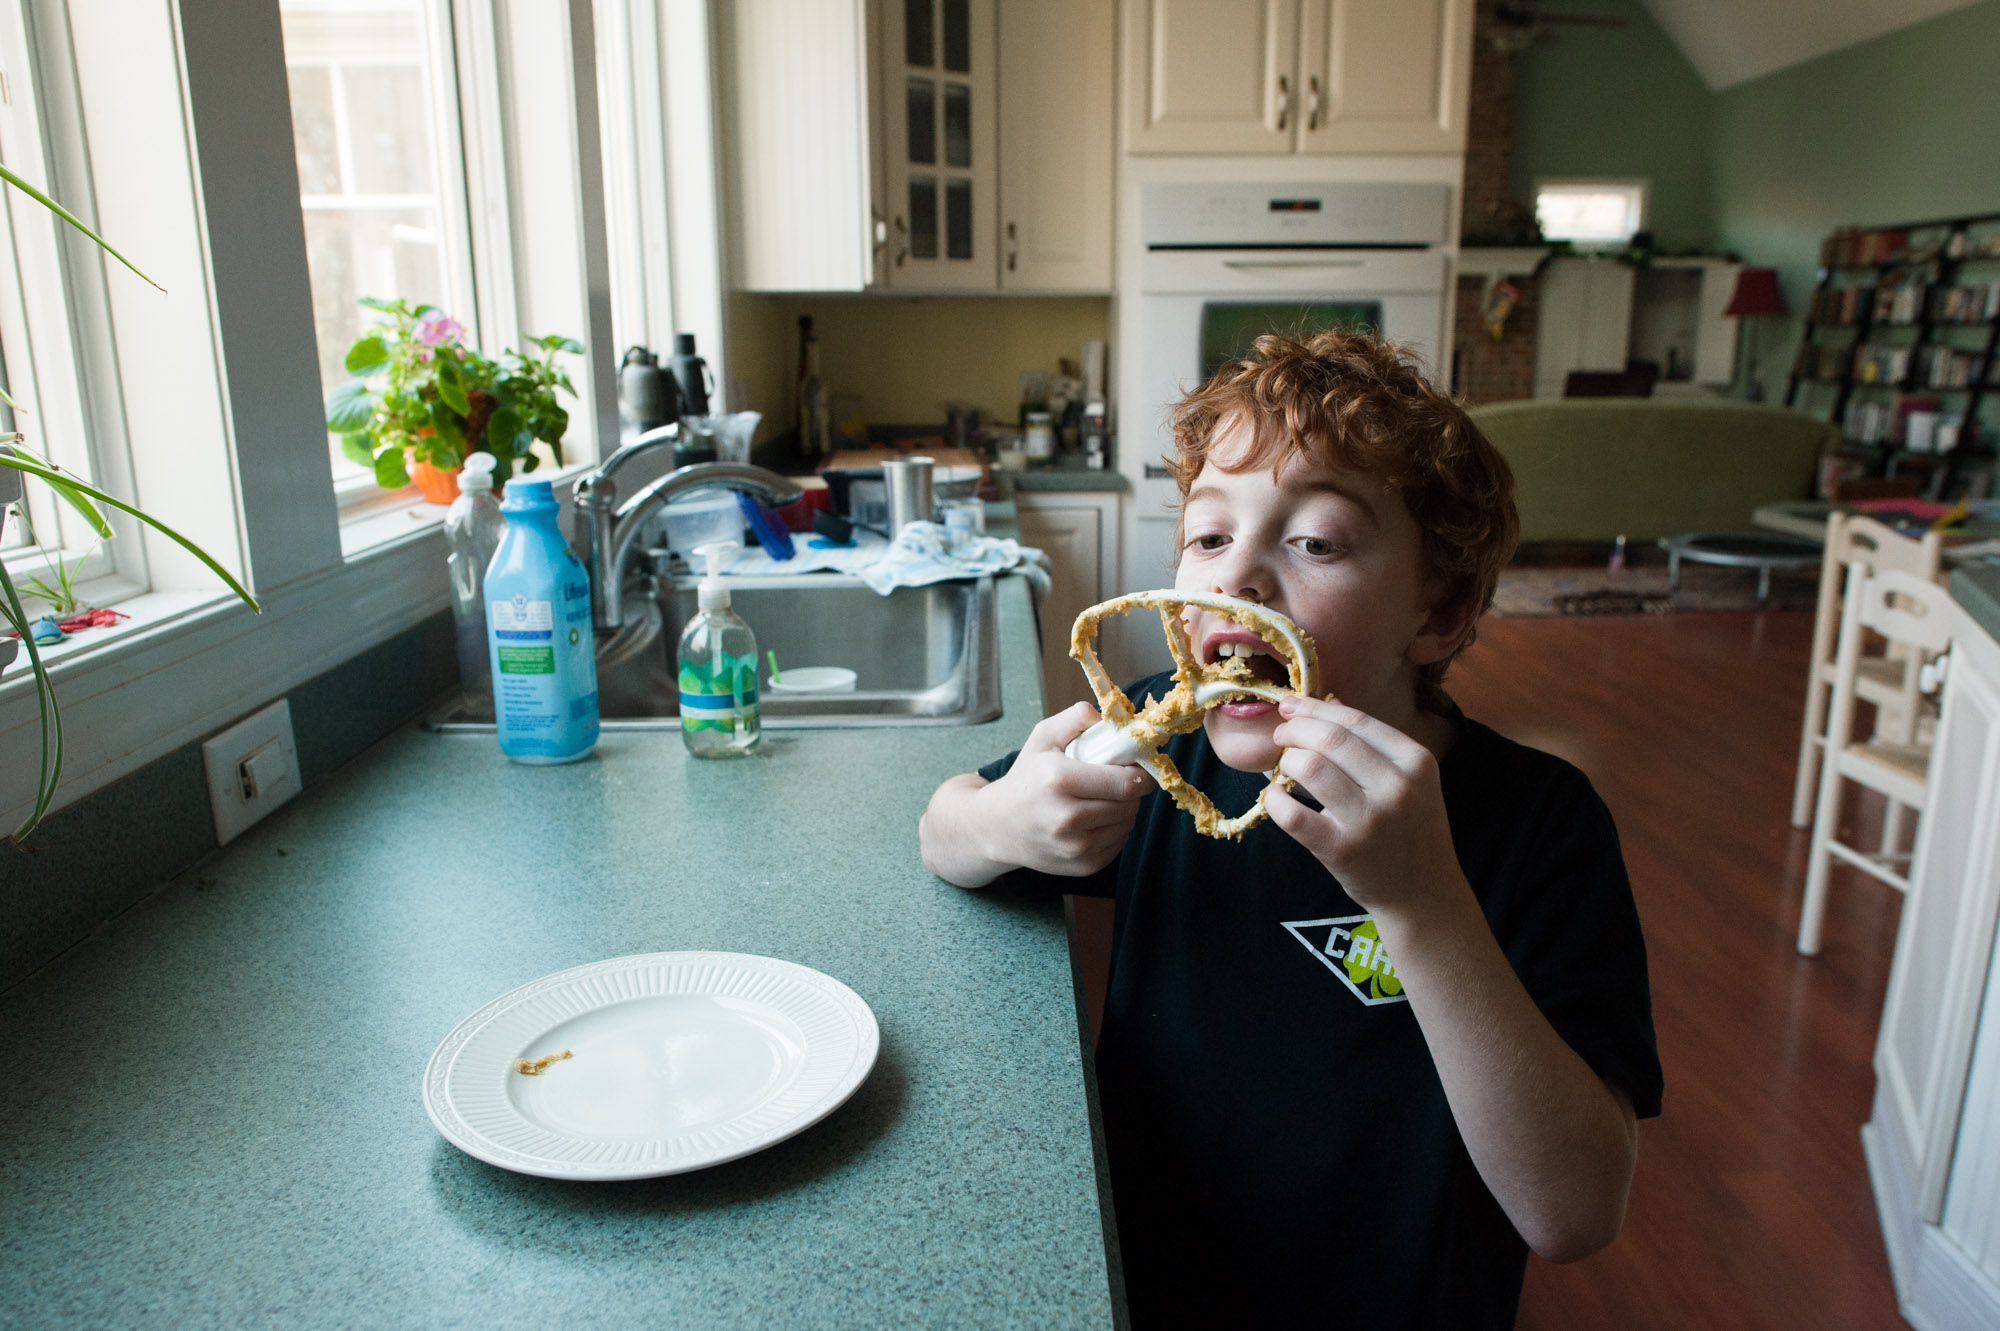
(713, 593)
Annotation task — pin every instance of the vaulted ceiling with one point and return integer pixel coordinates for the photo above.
(1733, 41)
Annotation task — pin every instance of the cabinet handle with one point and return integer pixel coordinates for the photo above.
(902, 241)
(1012, 248)
(878, 230)
(1284, 101)
(1312, 102)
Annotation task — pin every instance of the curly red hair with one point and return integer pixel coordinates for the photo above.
(1354, 402)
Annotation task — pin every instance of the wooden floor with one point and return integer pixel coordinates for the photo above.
(1751, 1207)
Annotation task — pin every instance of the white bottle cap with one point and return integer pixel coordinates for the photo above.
(476, 473)
(713, 594)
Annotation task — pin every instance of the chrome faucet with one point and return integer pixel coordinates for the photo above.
(609, 528)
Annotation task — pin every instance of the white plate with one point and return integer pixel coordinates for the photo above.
(814, 679)
(678, 1060)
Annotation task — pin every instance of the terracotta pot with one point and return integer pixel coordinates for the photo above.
(436, 485)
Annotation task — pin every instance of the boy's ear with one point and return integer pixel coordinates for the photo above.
(1443, 629)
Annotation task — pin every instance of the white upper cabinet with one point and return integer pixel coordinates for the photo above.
(938, 143)
(1056, 110)
(1297, 76)
(894, 145)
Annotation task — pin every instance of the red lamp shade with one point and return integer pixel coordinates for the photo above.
(1756, 293)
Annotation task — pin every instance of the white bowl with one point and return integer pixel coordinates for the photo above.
(814, 679)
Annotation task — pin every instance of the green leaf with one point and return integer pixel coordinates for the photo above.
(450, 427)
(70, 217)
(55, 480)
(451, 386)
(367, 353)
(552, 426)
(503, 429)
(358, 447)
(390, 473)
(349, 407)
(557, 342)
(49, 769)
(377, 303)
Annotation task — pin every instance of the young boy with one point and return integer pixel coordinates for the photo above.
(1354, 1066)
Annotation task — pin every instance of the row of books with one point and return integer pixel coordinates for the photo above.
(1972, 303)
(1850, 248)
(1912, 367)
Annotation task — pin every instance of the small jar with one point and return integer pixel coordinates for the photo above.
(1040, 442)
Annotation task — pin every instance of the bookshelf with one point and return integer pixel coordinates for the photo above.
(1905, 319)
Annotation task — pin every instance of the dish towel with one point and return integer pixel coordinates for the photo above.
(915, 559)
(919, 557)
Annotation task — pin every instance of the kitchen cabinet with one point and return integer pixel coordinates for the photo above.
(1297, 76)
(1056, 164)
(958, 146)
(1078, 533)
(1598, 313)
(938, 140)
(1933, 1139)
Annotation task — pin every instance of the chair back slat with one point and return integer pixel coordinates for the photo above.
(1908, 609)
(1883, 548)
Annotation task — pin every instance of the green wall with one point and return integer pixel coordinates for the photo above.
(1594, 101)
(1897, 129)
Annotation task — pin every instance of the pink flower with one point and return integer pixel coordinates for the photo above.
(437, 328)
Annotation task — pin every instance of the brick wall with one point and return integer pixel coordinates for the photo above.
(1486, 370)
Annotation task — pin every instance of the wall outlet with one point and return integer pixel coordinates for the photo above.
(253, 767)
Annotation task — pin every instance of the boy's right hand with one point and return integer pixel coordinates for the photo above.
(1055, 814)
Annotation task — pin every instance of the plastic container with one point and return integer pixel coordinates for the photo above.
(472, 528)
(702, 518)
(543, 651)
(718, 671)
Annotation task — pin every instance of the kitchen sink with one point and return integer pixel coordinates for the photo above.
(922, 656)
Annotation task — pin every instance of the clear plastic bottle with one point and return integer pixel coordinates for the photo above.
(472, 528)
(718, 670)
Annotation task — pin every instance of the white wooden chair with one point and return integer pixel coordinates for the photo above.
(1888, 681)
(1914, 613)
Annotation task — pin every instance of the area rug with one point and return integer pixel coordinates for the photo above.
(1643, 590)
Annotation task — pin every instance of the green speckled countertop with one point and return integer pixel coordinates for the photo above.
(212, 1113)
(1977, 588)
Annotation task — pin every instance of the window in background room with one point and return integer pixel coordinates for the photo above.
(381, 172)
(1591, 214)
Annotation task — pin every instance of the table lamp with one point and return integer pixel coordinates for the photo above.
(1756, 296)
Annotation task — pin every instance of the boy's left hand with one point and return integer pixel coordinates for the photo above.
(1382, 829)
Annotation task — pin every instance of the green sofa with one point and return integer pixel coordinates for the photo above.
(1593, 469)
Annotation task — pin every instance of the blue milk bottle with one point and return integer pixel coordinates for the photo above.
(538, 631)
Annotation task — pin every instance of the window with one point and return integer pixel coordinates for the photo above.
(1591, 214)
(381, 173)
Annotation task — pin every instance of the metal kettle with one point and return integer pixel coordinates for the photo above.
(648, 397)
(691, 374)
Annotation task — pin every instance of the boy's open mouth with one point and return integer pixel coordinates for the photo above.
(1235, 642)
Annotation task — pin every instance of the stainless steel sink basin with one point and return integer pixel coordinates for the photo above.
(924, 656)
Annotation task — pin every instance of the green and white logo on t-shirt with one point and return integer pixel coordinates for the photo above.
(1349, 947)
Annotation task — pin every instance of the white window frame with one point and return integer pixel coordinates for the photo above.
(1637, 188)
(358, 496)
(54, 322)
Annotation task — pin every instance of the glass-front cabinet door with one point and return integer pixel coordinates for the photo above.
(938, 144)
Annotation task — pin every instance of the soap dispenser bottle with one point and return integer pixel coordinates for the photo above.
(718, 670)
(472, 528)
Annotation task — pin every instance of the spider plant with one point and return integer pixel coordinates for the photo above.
(84, 498)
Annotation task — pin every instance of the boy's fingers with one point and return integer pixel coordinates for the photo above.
(1056, 732)
(1379, 735)
(1311, 740)
(1095, 781)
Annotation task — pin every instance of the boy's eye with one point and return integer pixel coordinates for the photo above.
(1317, 546)
(1209, 541)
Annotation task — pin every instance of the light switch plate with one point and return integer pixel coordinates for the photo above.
(277, 777)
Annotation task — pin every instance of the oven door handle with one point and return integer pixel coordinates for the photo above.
(1289, 265)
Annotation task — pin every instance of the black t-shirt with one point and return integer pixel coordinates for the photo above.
(1280, 1143)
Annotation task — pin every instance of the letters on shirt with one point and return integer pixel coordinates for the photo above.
(1349, 947)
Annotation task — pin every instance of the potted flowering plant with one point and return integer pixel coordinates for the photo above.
(421, 400)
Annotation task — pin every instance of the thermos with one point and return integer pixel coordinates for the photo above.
(648, 397)
(691, 376)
